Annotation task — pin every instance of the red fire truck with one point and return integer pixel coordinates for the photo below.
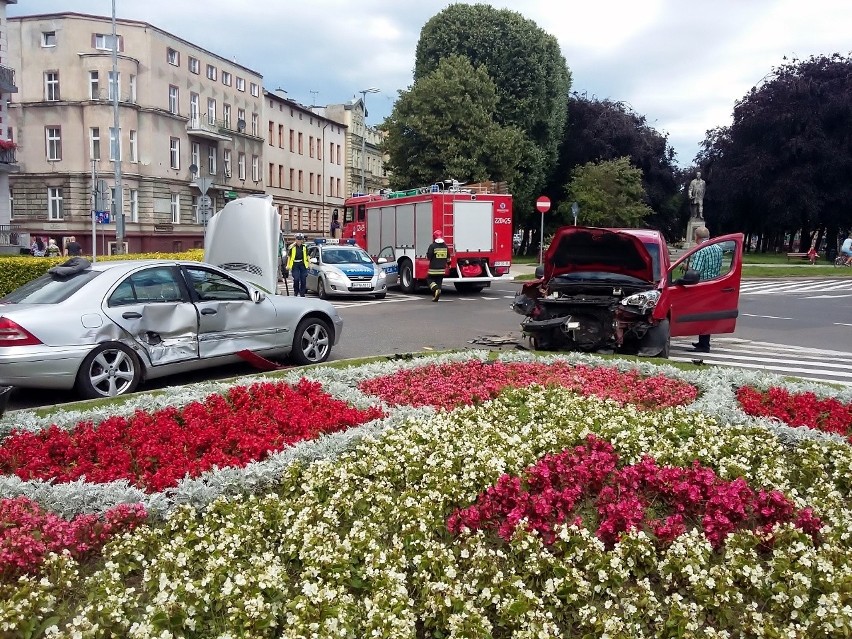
(396, 229)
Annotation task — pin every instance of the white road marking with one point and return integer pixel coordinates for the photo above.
(767, 316)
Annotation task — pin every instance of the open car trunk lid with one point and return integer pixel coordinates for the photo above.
(586, 249)
(243, 238)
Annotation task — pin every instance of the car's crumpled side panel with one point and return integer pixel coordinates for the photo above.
(167, 332)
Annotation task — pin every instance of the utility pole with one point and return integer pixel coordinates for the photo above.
(364, 137)
(94, 211)
(118, 201)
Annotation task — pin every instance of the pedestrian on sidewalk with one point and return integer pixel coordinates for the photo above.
(708, 262)
(297, 264)
(438, 254)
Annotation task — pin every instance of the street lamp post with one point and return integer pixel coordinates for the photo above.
(364, 136)
(118, 203)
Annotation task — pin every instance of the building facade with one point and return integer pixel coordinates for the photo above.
(365, 162)
(188, 119)
(9, 235)
(304, 159)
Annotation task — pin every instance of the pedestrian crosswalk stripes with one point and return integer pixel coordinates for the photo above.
(796, 286)
(808, 363)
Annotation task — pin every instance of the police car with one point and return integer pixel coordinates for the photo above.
(344, 268)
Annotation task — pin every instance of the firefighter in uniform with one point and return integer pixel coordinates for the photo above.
(438, 254)
(297, 264)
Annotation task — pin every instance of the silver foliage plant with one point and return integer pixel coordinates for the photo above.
(717, 398)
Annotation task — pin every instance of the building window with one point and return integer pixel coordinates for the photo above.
(337, 190)
(292, 141)
(114, 85)
(301, 185)
(311, 146)
(53, 139)
(271, 130)
(173, 99)
(133, 88)
(311, 183)
(134, 205)
(175, 206)
(255, 123)
(134, 147)
(241, 166)
(226, 78)
(338, 154)
(226, 162)
(114, 145)
(319, 149)
(194, 108)
(211, 72)
(226, 115)
(94, 86)
(173, 57)
(281, 176)
(211, 160)
(95, 143)
(48, 38)
(255, 90)
(51, 86)
(280, 136)
(174, 153)
(54, 203)
(301, 144)
(241, 84)
(255, 168)
(319, 184)
(271, 181)
(331, 186)
(195, 153)
(194, 65)
(241, 115)
(211, 110)
(104, 42)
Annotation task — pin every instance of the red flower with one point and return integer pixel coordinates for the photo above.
(798, 409)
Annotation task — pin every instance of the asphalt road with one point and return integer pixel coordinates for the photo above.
(797, 327)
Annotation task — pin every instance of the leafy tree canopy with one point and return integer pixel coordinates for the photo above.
(528, 69)
(609, 193)
(444, 128)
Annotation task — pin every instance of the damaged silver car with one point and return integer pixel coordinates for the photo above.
(611, 290)
(104, 328)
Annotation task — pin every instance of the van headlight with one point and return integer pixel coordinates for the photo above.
(642, 301)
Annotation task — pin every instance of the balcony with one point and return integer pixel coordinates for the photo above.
(7, 80)
(203, 126)
(11, 239)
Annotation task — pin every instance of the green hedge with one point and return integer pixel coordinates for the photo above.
(18, 270)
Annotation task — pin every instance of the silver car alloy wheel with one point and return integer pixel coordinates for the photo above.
(315, 342)
(111, 372)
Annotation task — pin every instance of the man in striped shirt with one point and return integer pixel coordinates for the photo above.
(708, 263)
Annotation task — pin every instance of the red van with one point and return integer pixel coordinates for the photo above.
(616, 290)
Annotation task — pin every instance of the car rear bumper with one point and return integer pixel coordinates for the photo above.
(41, 366)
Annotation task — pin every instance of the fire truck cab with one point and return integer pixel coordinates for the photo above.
(396, 228)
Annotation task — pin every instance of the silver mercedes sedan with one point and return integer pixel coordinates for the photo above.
(103, 328)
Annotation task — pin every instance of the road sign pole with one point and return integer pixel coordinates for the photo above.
(541, 241)
(94, 214)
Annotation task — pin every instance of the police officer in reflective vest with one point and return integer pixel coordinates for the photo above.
(438, 254)
(297, 263)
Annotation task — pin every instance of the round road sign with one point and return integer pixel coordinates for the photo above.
(543, 204)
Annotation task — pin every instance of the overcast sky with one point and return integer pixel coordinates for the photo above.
(680, 63)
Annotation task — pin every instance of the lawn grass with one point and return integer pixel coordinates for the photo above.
(804, 270)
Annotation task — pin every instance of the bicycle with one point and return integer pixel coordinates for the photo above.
(840, 260)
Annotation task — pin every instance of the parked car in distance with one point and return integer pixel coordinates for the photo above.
(106, 327)
(616, 290)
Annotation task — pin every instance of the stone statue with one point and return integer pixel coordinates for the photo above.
(696, 196)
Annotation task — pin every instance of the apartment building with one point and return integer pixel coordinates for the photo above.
(365, 163)
(9, 236)
(188, 118)
(304, 162)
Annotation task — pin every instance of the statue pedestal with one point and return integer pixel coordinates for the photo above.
(694, 223)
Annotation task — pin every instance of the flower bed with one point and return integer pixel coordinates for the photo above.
(155, 450)
(347, 535)
(826, 414)
(473, 382)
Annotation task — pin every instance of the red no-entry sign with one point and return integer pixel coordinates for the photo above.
(543, 204)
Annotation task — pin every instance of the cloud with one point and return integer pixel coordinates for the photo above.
(681, 63)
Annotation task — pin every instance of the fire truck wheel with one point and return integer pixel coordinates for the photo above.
(468, 287)
(406, 277)
(321, 292)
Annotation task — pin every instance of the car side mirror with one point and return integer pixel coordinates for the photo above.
(690, 277)
(257, 296)
(314, 260)
(539, 271)
(382, 260)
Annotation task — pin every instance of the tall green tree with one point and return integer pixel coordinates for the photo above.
(784, 164)
(609, 193)
(605, 130)
(530, 74)
(444, 127)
